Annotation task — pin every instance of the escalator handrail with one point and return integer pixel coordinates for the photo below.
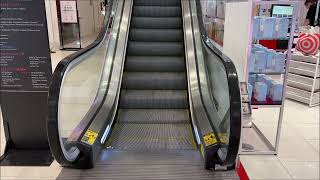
(234, 92)
(54, 91)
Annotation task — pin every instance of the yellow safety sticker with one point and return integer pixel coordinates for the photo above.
(224, 139)
(210, 139)
(90, 136)
(202, 150)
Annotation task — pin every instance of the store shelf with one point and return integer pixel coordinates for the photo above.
(266, 106)
(303, 68)
(267, 73)
(303, 82)
(268, 102)
(303, 96)
(274, 38)
(297, 56)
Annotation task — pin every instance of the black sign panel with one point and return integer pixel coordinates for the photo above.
(25, 63)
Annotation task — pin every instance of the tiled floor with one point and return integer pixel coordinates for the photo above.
(298, 156)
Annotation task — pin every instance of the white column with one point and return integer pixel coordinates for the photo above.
(52, 23)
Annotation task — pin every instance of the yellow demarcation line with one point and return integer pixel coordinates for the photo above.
(194, 144)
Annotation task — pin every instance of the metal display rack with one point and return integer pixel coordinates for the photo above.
(238, 44)
(272, 148)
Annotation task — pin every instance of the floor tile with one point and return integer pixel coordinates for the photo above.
(264, 167)
(308, 131)
(315, 144)
(297, 149)
(303, 170)
(295, 112)
(18, 172)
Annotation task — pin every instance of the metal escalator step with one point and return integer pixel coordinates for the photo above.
(138, 48)
(156, 11)
(157, 2)
(156, 35)
(154, 80)
(155, 64)
(153, 99)
(154, 137)
(153, 116)
(156, 22)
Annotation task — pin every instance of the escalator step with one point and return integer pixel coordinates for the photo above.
(154, 80)
(153, 99)
(153, 116)
(155, 64)
(156, 22)
(157, 2)
(156, 35)
(156, 11)
(138, 48)
(155, 137)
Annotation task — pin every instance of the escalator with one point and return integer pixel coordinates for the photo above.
(153, 107)
(150, 97)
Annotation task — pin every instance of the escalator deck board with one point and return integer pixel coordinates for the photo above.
(151, 137)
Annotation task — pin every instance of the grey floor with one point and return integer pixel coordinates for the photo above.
(115, 164)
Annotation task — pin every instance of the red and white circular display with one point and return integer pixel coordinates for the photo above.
(308, 44)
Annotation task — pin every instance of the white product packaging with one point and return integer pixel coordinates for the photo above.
(268, 27)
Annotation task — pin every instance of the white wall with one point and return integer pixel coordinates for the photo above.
(52, 23)
(236, 35)
(90, 17)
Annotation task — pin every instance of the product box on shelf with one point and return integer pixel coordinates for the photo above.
(275, 92)
(270, 28)
(260, 91)
(264, 60)
(282, 25)
(265, 90)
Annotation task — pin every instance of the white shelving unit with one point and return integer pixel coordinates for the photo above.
(304, 79)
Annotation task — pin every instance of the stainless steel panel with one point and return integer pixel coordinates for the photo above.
(111, 98)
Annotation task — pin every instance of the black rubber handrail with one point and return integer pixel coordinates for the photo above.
(54, 90)
(234, 92)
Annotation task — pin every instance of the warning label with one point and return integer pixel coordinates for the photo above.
(224, 139)
(90, 137)
(210, 139)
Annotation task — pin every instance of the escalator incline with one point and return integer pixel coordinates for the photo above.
(153, 111)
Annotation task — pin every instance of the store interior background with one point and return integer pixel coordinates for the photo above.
(71, 36)
(298, 155)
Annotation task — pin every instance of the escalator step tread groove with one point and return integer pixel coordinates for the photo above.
(156, 11)
(156, 35)
(155, 137)
(155, 64)
(156, 22)
(157, 2)
(153, 116)
(153, 99)
(137, 48)
(154, 80)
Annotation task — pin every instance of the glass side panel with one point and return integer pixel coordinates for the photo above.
(79, 89)
(215, 91)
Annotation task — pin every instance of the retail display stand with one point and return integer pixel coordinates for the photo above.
(304, 79)
(265, 70)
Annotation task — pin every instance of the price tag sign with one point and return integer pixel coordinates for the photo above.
(68, 12)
